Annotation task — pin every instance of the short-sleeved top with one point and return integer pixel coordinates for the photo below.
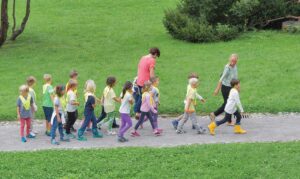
(228, 74)
(191, 94)
(58, 103)
(125, 105)
(24, 113)
(47, 92)
(155, 92)
(67, 88)
(88, 108)
(145, 64)
(71, 97)
(109, 102)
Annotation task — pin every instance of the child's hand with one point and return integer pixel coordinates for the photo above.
(203, 101)
(77, 103)
(59, 119)
(216, 92)
(19, 117)
(188, 111)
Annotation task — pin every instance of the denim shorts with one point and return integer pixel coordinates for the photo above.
(48, 113)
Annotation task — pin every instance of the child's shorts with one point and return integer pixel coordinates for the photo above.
(48, 113)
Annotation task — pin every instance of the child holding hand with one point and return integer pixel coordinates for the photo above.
(24, 111)
(126, 102)
(233, 107)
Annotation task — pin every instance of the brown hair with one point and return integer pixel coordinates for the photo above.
(234, 82)
(71, 84)
(154, 79)
(193, 75)
(110, 81)
(73, 73)
(127, 86)
(154, 51)
(31, 80)
(59, 89)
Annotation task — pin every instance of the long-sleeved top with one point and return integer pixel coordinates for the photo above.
(147, 103)
(233, 102)
(228, 74)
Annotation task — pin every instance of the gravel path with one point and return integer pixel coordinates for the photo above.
(260, 128)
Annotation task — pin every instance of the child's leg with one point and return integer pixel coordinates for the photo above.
(53, 128)
(87, 119)
(155, 122)
(183, 121)
(32, 119)
(225, 119)
(123, 124)
(71, 116)
(111, 118)
(180, 117)
(149, 115)
(22, 125)
(61, 130)
(238, 118)
(102, 115)
(140, 121)
(28, 124)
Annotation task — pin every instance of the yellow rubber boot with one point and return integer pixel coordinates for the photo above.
(212, 127)
(239, 130)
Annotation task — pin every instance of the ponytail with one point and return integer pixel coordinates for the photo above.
(126, 87)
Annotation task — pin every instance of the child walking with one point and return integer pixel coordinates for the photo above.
(48, 96)
(58, 117)
(89, 114)
(156, 98)
(24, 110)
(190, 111)
(198, 96)
(109, 102)
(71, 108)
(147, 108)
(232, 106)
(126, 102)
(31, 80)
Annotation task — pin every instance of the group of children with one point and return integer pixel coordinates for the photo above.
(60, 106)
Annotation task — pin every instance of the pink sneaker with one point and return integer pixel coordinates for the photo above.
(135, 134)
(156, 132)
(160, 130)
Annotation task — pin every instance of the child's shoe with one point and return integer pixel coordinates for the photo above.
(126, 140)
(65, 139)
(99, 126)
(211, 128)
(31, 136)
(239, 130)
(175, 124)
(81, 136)
(47, 133)
(201, 130)
(135, 134)
(23, 139)
(156, 132)
(54, 142)
(160, 130)
(111, 133)
(89, 130)
(180, 131)
(194, 127)
(73, 129)
(121, 139)
(32, 133)
(71, 136)
(97, 134)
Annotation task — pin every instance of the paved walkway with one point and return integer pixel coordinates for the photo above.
(260, 128)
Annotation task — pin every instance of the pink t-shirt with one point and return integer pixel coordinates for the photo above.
(146, 63)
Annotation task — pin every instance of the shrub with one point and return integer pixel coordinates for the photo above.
(215, 20)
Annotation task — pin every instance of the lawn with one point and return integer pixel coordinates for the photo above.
(101, 38)
(259, 160)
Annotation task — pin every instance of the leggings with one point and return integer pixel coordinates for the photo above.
(185, 118)
(228, 117)
(225, 93)
(126, 123)
(110, 119)
(71, 121)
(24, 121)
(141, 120)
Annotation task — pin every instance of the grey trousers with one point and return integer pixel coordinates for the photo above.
(186, 117)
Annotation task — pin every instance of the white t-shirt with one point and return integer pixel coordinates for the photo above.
(233, 102)
(58, 104)
(109, 102)
(125, 105)
(71, 97)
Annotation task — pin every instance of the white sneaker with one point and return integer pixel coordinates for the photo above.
(32, 133)
(111, 133)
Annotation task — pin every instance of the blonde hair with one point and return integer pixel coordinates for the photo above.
(24, 88)
(47, 77)
(90, 86)
(234, 55)
(31, 80)
(193, 81)
(147, 86)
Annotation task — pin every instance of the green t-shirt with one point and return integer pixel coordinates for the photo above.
(47, 92)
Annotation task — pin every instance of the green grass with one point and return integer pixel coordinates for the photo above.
(269, 160)
(101, 38)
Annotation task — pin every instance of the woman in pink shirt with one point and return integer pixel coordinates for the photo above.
(146, 70)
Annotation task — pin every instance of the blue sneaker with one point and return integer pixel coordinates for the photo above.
(23, 139)
(30, 136)
(65, 139)
(47, 133)
(175, 124)
(71, 136)
(54, 142)
(193, 127)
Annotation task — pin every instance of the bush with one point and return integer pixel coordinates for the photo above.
(215, 20)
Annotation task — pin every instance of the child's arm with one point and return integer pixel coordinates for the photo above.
(238, 102)
(93, 101)
(18, 113)
(116, 99)
(57, 114)
(147, 101)
(76, 103)
(200, 98)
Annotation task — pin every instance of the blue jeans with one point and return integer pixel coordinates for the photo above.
(138, 99)
(88, 118)
(56, 125)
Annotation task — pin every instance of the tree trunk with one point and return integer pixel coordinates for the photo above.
(16, 33)
(4, 22)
